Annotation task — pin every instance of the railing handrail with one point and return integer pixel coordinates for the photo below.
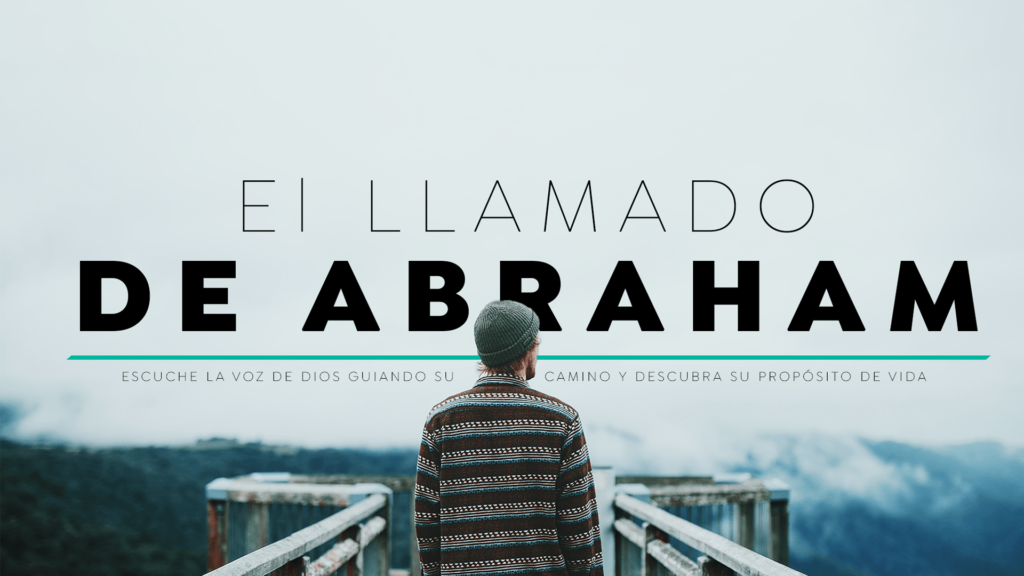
(276, 555)
(703, 494)
(397, 482)
(248, 489)
(742, 560)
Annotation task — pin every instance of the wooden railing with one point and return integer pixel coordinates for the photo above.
(720, 556)
(360, 530)
(403, 510)
(752, 512)
(734, 517)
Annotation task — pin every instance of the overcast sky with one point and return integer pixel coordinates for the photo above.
(127, 128)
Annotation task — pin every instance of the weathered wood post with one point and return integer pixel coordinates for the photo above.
(650, 563)
(257, 523)
(778, 543)
(624, 549)
(216, 534)
(355, 565)
(619, 543)
(384, 545)
(217, 523)
(350, 568)
(745, 524)
(382, 555)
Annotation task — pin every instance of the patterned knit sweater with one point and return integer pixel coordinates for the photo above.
(503, 486)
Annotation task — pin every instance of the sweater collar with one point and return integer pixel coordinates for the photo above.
(501, 380)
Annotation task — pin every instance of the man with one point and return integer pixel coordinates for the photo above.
(503, 484)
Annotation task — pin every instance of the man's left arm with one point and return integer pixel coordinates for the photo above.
(579, 533)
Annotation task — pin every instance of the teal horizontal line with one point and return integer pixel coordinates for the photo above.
(541, 357)
(772, 357)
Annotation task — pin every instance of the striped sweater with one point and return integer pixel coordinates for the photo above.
(503, 486)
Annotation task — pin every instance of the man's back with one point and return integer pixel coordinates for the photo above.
(504, 486)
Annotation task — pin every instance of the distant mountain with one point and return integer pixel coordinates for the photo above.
(885, 508)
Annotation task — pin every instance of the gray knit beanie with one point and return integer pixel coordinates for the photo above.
(504, 331)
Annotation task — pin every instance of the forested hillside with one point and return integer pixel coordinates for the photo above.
(136, 510)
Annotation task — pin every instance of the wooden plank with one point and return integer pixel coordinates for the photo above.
(706, 494)
(744, 561)
(334, 559)
(672, 559)
(271, 557)
(630, 531)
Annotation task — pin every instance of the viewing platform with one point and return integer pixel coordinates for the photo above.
(296, 525)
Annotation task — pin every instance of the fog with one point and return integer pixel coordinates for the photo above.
(126, 130)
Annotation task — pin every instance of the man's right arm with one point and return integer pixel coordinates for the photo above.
(428, 505)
